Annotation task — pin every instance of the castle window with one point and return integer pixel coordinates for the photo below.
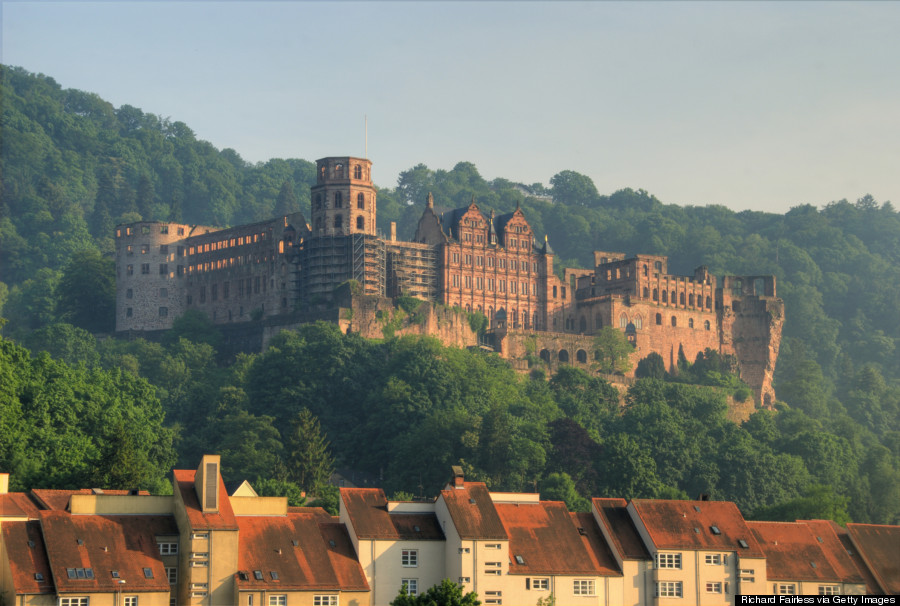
(338, 221)
(691, 300)
(145, 248)
(681, 298)
(706, 325)
(646, 292)
(638, 322)
(360, 223)
(129, 312)
(563, 355)
(581, 356)
(338, 171)
(665, 296)
(659, 319)
(674, 321)
(673, 298)
(690, 322)
(318, 202)
(657, 265)
(708, 303)
(338, 199)
(646, 270)
(129, 294)
(623, 321)
(163, 269)
(163, 312)
(145, 268)
(361, 200)
(357, 173)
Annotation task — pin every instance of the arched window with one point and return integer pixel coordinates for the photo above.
(581, 356)
(665, 296)
(646, 292)
(338, 199)
(674, 321)
(657, 265)
(360, 223)
(681, 298)
(706, 325)
(738, 288)
(338, 221)
(690, 322)
(646, 270)
(691, 300)
(673, 298)
(545, 356)
(563, 355)
(708, 303)
(638, 322)
(322, 173)
(623, 321)
(361, 200)
(338, 171)
(659, 319)
(655, 294)
(357, 172)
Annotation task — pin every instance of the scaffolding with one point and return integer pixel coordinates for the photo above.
(413, 270)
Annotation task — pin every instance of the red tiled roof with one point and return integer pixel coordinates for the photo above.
(267, 545)
(59, 499)
(473, 512)
(224, 520)
(123, 543)
(626, 540)
(367, 509)
(853, 553)
(547, 538)
(688, 525)
(27, 557)
(842, 562)
(17, 505)
(793, 553)
(879, 547)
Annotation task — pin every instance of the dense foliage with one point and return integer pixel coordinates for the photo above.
(404, 410)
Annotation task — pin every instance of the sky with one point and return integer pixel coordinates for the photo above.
(751, 105)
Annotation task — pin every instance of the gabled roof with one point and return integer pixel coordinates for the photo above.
(305, 552)
(27, 557)
(58, 500)
(852, 552)
(879, 547)
(625, 538)
(223, 520)
(547, 539)
(126, 544)
(17, 505)
(826, 533)
(793, 553)
(367, 509)
(689, 525)
(473, 512)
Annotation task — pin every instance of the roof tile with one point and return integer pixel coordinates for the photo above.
(473, 512)
(879, 547)
(793, 553)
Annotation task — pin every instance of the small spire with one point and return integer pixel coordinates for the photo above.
(430, 200)
(517, 205)
(473, 199)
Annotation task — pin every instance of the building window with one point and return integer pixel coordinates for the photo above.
(623, 321)
(638, 322)
(360, 223)
(129, 270)
(279, 600)
(172, 574)
(131, 600)
(674, 321)
(80, 573)
(145, 268)
(129, 294)
(338, 221)
(668, 560)
(145, 248)
(492, 568)
(409, 558)
(538, 584)
(361, 200)
(148, 573)
(713, 558)
(714, 588)
(786, 589)
(706, 325)
(690, 322)
(74, 601)
(829, 590)
(163, 312)
(129, 312)
(412, 586)
(747, 576)
(338, 200)
(163, 269)
(357, 172)
(168, 548)
(583, 587)
(324, 600)
(668, 589)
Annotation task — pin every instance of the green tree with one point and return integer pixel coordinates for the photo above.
(86, 293)
(818, 502)
(572, 188)
(560, 487)
(651, 367)
(612, 351)
(286, 202)
(309, 460)
(271, 487)
(447, 593)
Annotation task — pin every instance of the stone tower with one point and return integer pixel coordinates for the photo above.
(343, 198)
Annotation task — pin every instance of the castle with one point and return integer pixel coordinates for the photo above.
(285, 271)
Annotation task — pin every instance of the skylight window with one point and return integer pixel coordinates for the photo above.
(417, 529)
(38, 576)
(295, 542)
(257, 574)
(715, 530)
(743, 543)
(114, 573)
(80, 573)
(274, 575)
(520, 560)
(148, 573)
(697, 508)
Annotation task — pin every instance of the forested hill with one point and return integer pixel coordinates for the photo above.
(73, 166)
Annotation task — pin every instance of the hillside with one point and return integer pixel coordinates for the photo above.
(73, 166)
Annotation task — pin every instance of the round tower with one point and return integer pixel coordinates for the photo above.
(343, 198)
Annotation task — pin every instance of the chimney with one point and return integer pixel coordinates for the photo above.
(458, 477)
(4, 483)
(393, 231)
(206, 483)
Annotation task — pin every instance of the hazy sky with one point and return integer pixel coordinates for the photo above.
(761, 105)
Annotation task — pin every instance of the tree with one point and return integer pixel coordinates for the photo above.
(612, 351)
(560, 487)
(573, 189)
(651, 367)
(310, 463)
(86, 293)
(818, 502)
(447, 593)
(286, 202)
